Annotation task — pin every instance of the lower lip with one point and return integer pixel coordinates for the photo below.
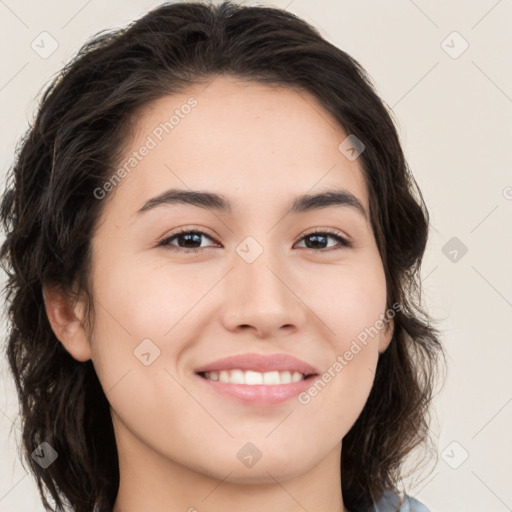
(259, 394)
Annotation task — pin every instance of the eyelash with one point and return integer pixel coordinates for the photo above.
(343, 242)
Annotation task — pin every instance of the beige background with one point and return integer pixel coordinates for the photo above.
(454, 113)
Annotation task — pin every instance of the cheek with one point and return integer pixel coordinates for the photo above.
(342, 389)
(146, 301)
(140, 318)
(349, 298)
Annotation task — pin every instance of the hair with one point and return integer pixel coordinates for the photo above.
(49, 212)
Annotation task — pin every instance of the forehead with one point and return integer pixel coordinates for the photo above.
(238, 138)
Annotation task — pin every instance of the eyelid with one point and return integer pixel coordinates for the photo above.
(183, 230)
(327, 231)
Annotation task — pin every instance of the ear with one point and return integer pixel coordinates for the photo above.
(66, 317)
(386, 335)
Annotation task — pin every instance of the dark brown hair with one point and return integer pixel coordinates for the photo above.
(49, 212)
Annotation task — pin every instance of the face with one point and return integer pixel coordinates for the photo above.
(288, 290)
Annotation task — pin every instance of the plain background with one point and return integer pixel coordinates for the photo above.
(453, 109)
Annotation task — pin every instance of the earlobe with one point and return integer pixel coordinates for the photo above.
(66, 318)
(386, 336)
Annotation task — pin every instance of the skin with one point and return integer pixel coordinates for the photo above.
(177, 440)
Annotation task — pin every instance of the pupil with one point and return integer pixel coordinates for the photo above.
(188, 238)
(314, 237)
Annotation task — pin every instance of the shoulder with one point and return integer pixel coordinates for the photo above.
(413, 505)
(389, 502)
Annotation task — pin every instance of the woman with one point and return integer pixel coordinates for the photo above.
(213, 246)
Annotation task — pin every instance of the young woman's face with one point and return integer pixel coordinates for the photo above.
(262, 284)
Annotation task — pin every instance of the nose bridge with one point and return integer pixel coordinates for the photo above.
(259, 290)
(258, 267)
(263, 277)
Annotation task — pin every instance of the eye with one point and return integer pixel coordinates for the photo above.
(191, 239)
(318, 238)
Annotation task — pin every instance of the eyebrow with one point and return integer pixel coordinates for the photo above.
(218, 202)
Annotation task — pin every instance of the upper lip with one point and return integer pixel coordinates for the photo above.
(260, 363)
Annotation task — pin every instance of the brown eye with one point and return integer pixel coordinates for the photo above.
(318, 239)
(189, 241)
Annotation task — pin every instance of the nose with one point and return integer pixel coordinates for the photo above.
(260, 297)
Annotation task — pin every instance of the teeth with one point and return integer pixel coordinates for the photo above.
(273, 378)
(237, 377)
(252, 378)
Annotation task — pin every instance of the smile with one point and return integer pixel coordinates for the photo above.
(257, 379)
(252, 378)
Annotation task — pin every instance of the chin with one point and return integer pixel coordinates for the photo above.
(266, 470)
(267, 474)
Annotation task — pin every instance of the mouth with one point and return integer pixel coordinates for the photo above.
(254, 378)
(259, 380)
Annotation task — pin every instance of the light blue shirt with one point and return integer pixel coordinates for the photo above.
(389, 503)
